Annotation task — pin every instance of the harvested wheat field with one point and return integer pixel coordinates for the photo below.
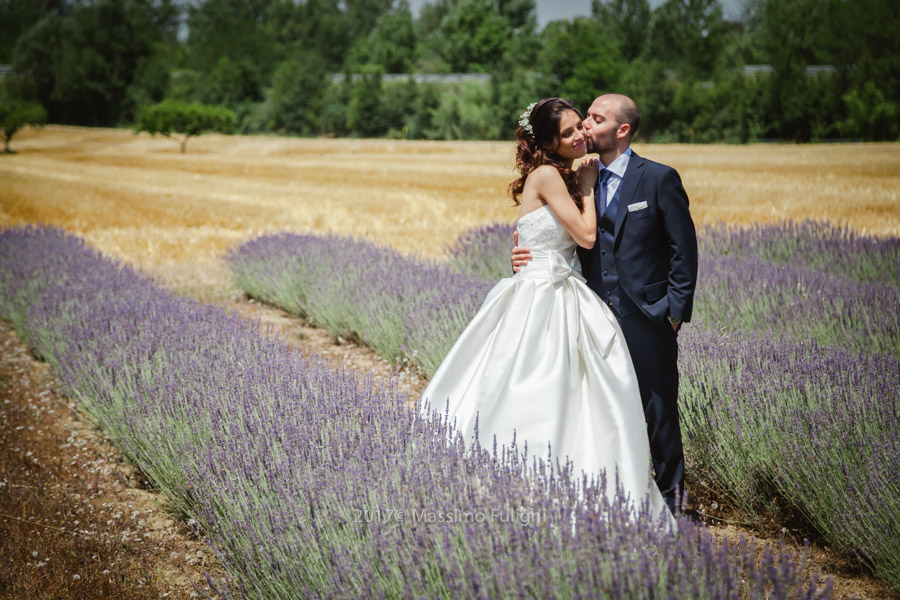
(137, 198)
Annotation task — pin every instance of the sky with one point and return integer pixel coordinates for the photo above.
(551, 10)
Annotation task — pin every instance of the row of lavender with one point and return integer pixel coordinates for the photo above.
(790, 368)
(312, 483)
(403, 308)
(798, 281)
(791, 378)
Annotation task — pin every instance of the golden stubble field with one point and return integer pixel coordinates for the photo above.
(136, 198)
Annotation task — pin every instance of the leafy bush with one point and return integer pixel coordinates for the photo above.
(16, 114)
(870, 115)
(173, 118)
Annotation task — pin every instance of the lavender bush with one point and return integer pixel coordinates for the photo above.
(404, 308)
(295, 472)
(802, 281)
(794, 280)
(816, 425)
(813, 245)
(484, 251)
(810, 245)
(797, 303)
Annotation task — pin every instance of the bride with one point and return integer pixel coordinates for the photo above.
(544, 358)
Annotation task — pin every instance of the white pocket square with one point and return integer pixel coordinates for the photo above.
(637, 206)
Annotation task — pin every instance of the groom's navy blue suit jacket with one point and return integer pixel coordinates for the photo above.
(655, 243)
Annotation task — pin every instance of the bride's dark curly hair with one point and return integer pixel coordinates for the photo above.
(537, 147)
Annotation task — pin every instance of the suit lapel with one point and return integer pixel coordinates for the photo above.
(633, 174)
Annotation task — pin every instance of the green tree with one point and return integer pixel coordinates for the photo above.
(15, 115)
(520, 14)
(742, 107)
(360, 16)
(83, 64)
(391, 44)
(512, 90)
(333, 118)
(318, 26)
(17, 17)
(724, 111)
(298, 90)
(514, 80)
(789, 35)
(861, 39)
(366, 116)
(234, 29)
(401, 111)
(475, 35)
(231, 83)
(688, 35)
(870, 115)
(428, 99)
(578, 60)
(180, 120)
(628, 21)
(327, 28)
(646, 82)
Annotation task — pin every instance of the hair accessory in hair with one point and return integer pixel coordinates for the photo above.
(525, 122)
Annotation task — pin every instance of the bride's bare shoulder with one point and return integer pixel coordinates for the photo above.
(543, 175)
(544, 171)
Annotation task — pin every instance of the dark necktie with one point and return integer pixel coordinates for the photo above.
(602, 191)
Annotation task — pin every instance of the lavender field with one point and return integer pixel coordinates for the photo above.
(311, 482)
(790, 369)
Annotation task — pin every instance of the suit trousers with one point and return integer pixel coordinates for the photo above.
(654, 353)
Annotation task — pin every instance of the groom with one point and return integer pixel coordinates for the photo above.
(644, 266)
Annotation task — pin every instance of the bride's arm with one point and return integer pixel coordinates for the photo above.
(552, 189)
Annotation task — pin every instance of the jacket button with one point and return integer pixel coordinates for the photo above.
(606, 272)
(602, 231)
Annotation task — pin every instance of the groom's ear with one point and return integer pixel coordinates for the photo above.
(624, 130)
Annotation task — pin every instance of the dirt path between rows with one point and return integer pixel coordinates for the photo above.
(340, 353)
(78, 522)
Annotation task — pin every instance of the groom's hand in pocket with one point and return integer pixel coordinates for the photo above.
(520, 254)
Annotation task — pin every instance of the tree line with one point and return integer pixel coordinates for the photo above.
(316, 67)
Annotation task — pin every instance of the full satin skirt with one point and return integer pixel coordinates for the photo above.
(545, 360)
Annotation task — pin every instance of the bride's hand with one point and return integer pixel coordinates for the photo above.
(587, 175)
(520, 254)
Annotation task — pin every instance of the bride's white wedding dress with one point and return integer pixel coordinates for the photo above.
(544, 357)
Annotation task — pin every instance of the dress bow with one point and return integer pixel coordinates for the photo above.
(560, 269)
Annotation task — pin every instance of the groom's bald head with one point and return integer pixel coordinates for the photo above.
(610, 125)
(626, 111)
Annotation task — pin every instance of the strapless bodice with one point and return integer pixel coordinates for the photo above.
(550, 244)
(540, 230)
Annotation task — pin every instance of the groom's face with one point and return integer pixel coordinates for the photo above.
(601, 125)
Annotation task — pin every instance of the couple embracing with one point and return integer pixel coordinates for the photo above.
(578, 349)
